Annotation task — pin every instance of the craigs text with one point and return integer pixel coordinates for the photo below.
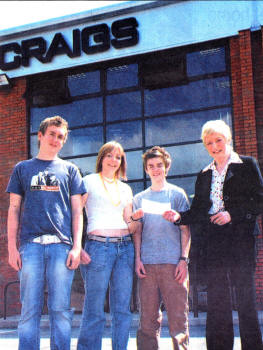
(90, 40)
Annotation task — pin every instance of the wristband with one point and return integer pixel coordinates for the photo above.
(133, 219)
(184, 258)
(178, 221)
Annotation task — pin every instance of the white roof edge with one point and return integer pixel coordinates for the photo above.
(81, 17)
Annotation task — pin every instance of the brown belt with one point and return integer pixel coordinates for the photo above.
(110, 239)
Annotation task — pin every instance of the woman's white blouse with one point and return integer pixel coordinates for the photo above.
(216, 192)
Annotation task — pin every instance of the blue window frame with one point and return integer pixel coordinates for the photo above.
(206, 61)
(129, 134)
(123, 106)
(122, 76)
(180, 128)
(111, 103)
(84, 83)
(78, 113)
(192, 96)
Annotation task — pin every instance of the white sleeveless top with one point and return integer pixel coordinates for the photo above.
(101, 212)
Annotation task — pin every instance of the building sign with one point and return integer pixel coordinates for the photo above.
(90, 40)
(137, 28)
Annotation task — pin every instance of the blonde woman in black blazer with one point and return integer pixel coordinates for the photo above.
(228, 198)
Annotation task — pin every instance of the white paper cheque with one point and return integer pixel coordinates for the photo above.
(155, 207)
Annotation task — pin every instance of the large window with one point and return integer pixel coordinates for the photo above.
(158, 99)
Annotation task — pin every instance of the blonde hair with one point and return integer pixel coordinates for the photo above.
(107, 148)
(216, 126)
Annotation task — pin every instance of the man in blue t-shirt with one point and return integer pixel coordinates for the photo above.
(45, 216)
(162, 251)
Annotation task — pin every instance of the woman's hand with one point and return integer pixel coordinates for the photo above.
(221, 218)
(137, 215)
(171, 215)
(84, 257)
(129, 216)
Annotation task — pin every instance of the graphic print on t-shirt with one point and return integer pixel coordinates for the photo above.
(44, 181)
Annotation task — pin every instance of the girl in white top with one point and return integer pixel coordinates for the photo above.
(110, 247)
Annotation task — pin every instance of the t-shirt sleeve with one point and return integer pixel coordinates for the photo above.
(129, 195)
(136, 203)
(86, 183)
(15, 184)
(77, 185)
(183, 202)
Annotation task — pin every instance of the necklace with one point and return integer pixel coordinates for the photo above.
(116, 204)
(110, 181)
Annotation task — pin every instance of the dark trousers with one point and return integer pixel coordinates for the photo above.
(231, 263)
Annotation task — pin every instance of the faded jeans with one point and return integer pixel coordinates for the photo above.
(111, 263)
(160, 285)
(45, 264)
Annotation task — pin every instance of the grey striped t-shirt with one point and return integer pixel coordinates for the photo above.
(161, 240)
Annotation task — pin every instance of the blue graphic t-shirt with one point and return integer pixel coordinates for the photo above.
(46, 188)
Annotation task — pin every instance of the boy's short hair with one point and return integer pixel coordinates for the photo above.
(107, 148)
(216, 126)
(154, 152)
(56, 121)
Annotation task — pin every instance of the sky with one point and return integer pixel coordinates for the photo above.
(17, 13)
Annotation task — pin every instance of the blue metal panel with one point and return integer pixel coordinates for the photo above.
(162, 25)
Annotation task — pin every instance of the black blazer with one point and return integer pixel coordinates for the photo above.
(242, 194)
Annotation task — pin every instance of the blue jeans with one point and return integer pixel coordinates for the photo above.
(111, 263)
(45, 264)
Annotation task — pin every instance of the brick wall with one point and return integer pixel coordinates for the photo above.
(246, 74)
(13, 148)
(257, 56)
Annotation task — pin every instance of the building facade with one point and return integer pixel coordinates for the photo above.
(142, 73)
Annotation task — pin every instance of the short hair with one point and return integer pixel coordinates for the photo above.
(216, 126)
(107, 148)
(157, 151)
(56, 121)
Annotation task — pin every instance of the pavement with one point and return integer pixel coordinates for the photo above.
(9, 340)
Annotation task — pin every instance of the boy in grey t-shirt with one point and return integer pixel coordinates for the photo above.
(162, 250)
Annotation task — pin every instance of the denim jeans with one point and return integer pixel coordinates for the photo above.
(110, 263)
(45, 264)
